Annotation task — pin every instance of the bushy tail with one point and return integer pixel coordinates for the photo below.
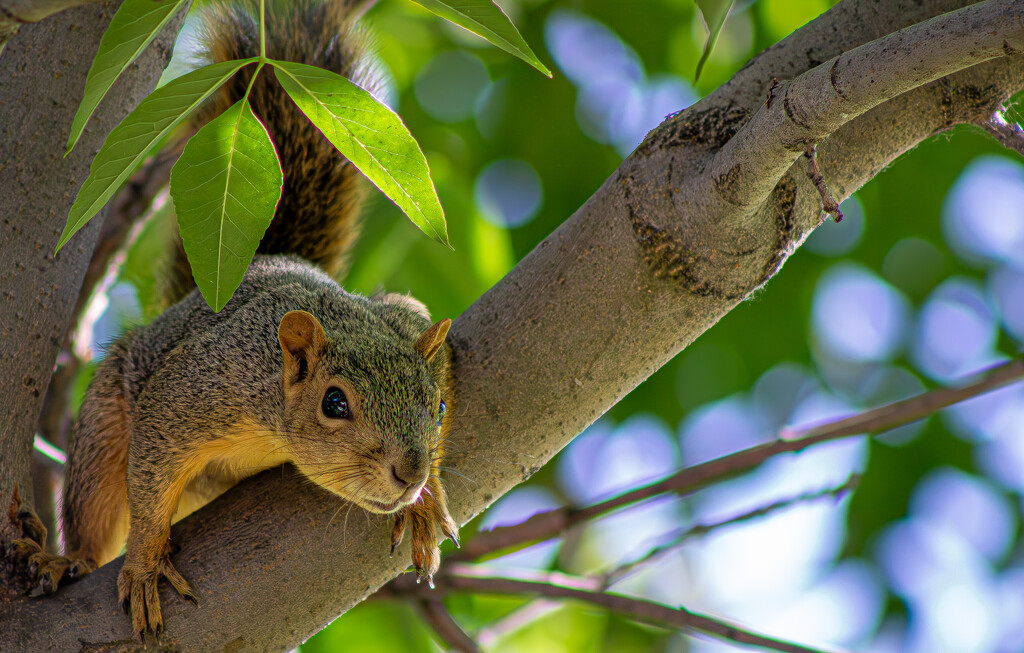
(318, 215)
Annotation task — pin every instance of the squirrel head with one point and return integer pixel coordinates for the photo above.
(364, 402)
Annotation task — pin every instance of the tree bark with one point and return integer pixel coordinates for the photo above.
(655, 257)
(42, 75)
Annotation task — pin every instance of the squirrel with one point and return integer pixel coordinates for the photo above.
(352, 390)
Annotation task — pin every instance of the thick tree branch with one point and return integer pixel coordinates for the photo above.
(464, 578)
(645, 271)
(804, 110)
(15, 13)
(42, 74)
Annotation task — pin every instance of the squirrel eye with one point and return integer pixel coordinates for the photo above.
(440, 413)
(335, 404)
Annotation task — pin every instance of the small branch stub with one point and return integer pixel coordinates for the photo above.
(1008, 134)
(828, 203)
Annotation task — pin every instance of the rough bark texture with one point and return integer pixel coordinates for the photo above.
(42, 74)
(645, 266)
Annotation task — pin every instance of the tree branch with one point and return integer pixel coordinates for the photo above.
(613, 576)
(1008, 134)
(465, 578)
(644, 270)
(41, 78)
(546, 525)
(513, 621)
(450, 632)
(15, 13)
(816, 103)
(120, 228)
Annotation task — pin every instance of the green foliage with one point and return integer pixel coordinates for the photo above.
(371, 136)
(226, 187)
(383, 626)
(147, 125)
(714, 13)
(485, 19)
(233, 158)
(133, 27)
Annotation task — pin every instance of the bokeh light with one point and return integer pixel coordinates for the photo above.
(617, 103)
(965, 504)
(956, 331)
(449, 85)
(857, 316)
(1006, 286)
(508, 192)
(983, 216)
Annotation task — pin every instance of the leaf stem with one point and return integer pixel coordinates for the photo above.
(253, 80)
(263, 39)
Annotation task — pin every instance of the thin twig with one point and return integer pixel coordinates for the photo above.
(515, 620)
(828, 202)
(119, 229)
(466, 578)
(131, 203)
(618, 573)
(552, 523)
(450, 632)
(1009, 134)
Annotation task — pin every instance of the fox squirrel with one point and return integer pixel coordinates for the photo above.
(349, 389)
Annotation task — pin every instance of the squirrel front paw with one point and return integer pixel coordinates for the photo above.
(137, 591)
(426, 514)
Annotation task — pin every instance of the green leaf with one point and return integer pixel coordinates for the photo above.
(714, 13)
(133, 27)
(141, 129)
(371, 136)
(487, 20)
(225, 188)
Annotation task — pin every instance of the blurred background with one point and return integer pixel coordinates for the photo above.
(919, 285)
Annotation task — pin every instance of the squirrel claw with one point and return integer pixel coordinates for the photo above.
(50, 572)
(23, 516)
(398, 531)
(137, 591)
(452, 535)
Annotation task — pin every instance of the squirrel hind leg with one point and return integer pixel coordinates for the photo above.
(94, 514)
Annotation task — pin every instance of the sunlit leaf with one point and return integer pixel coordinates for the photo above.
(714, 13)
(487, 20)
(225, 188)
(141, 129)
(371, 136)
(133, 27)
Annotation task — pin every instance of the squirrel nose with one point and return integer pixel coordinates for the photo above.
(409, 470)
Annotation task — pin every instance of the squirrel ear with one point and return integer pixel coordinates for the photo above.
(301, 337)
(432, 339)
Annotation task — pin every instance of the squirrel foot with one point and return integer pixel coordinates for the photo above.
(52, 571)
(24, 517)
(425, 515)
(45, 571)
(137, 591)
